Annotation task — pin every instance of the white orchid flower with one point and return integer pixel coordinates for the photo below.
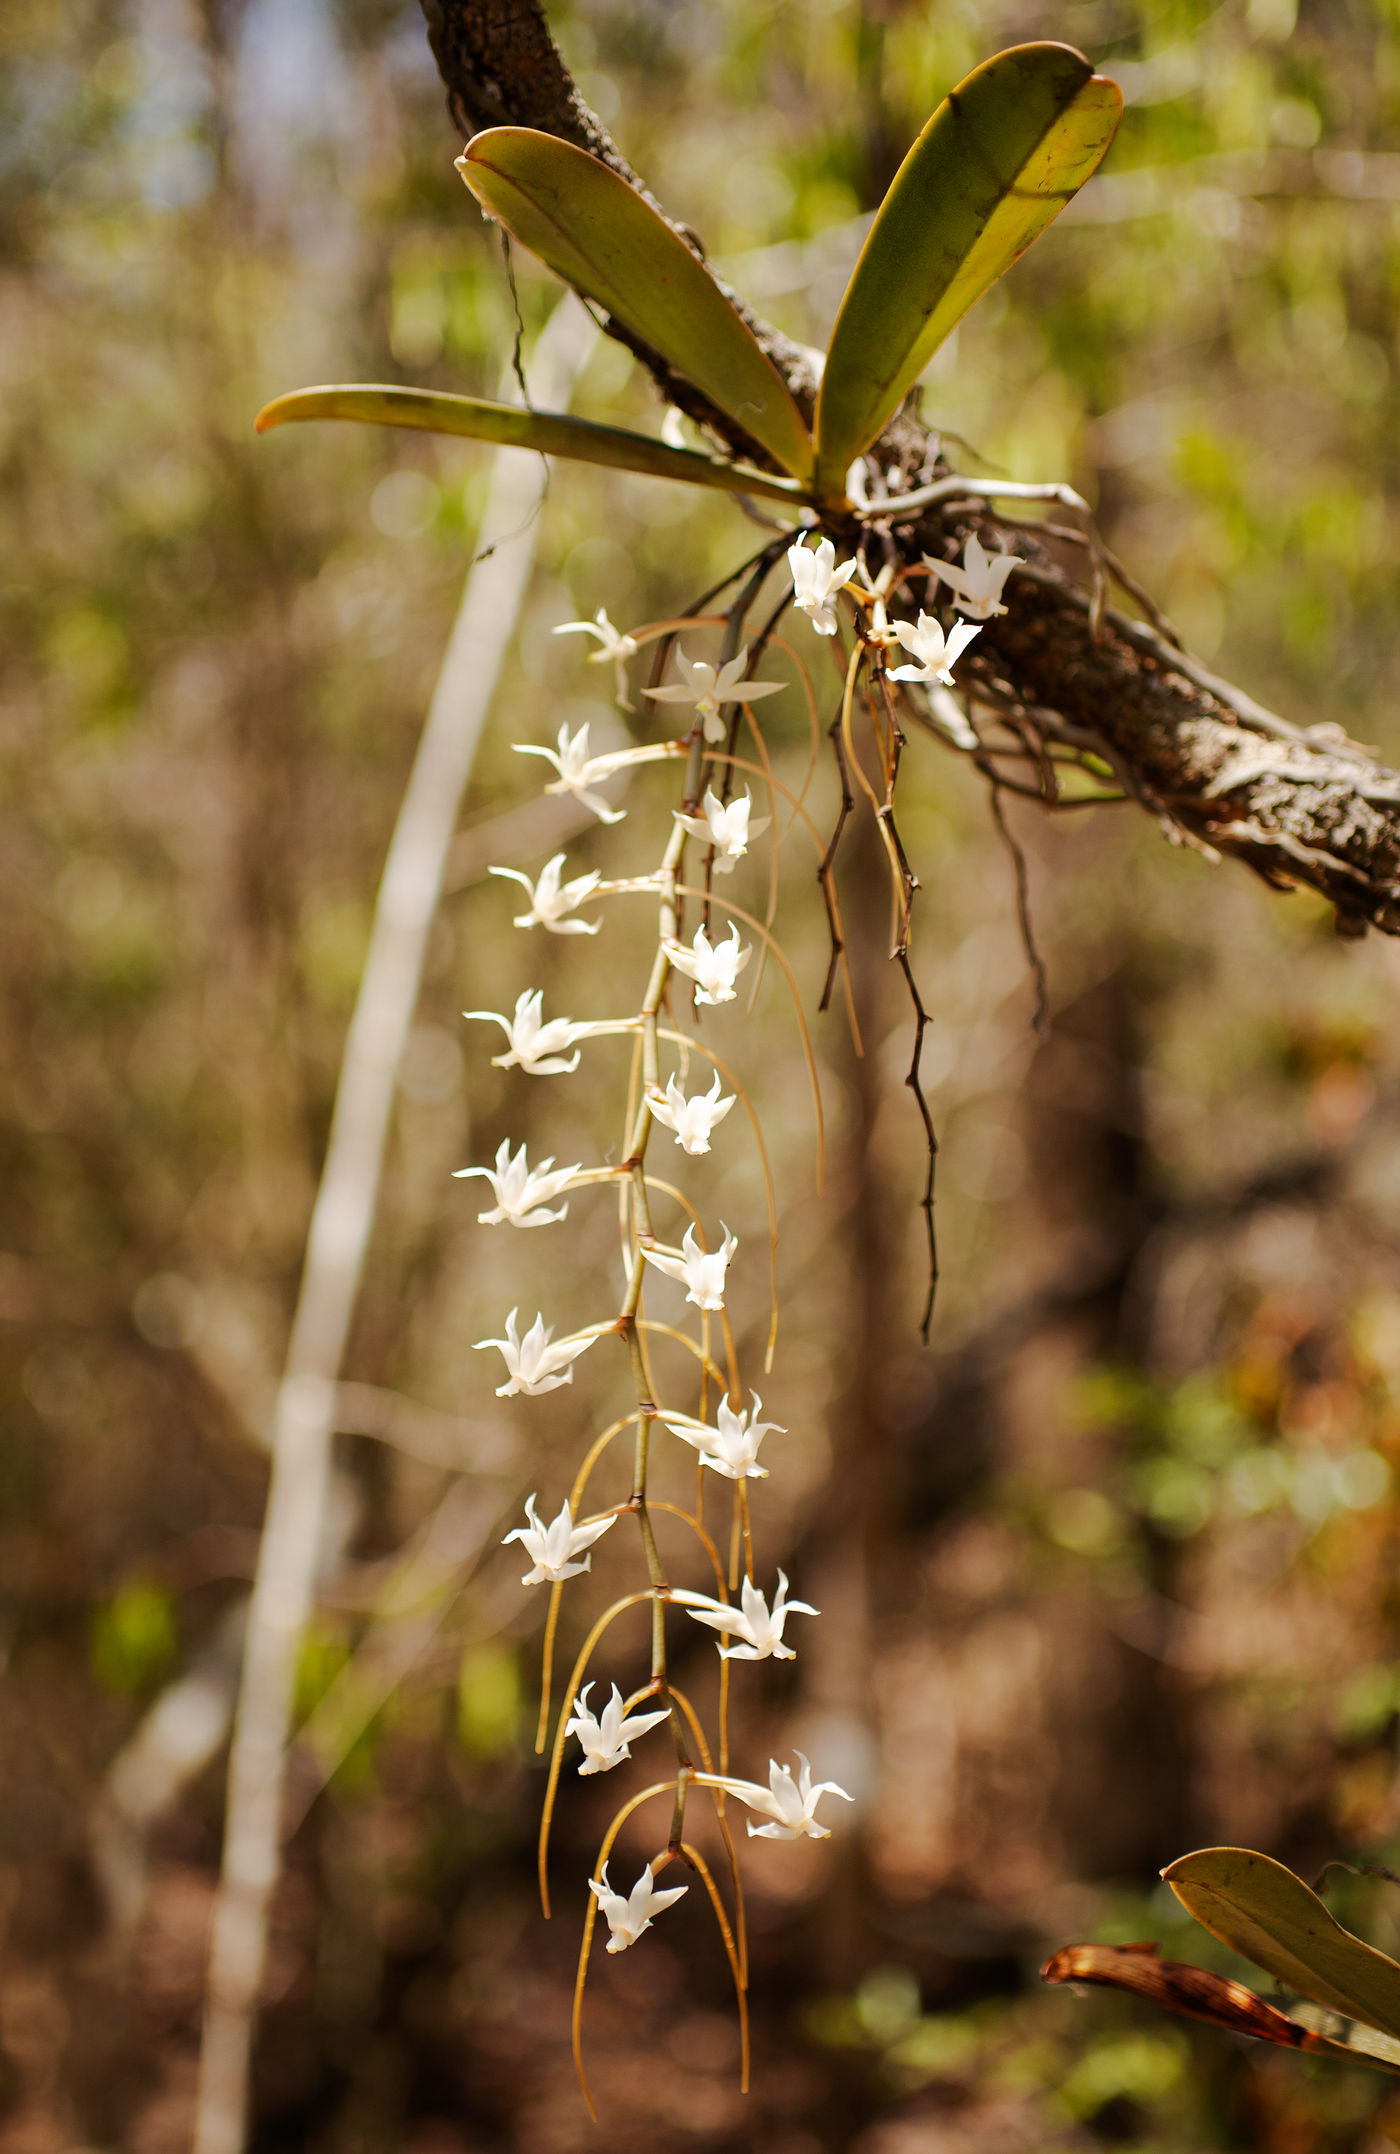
(535, 1047)
(936, 654)
(976, 586)
(533, 1365)
(551, 900)
(707, 690)
(614, 648)
(758, 1627)
(693, 1120)
(628, 1918)
(700, 1273)
(520, 1189)
(815, 581)
(605, 1739)
(579, 772)
(789, 1805)
(714, 967)
(552, 1548)
(725, 825)
(732, 1448)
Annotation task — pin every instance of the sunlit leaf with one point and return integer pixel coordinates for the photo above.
(598, 234)
(1259, 1908)
(1349, 2038)
(1000, 158)
(1196, 1993)
(551, 433)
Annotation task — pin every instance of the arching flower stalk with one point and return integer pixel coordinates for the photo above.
(699, 962)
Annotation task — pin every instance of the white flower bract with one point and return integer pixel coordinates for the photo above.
(552, 900)
(520, 1190)
(935, 653)
(708, 689)
(552, 1548)
(815, 581)
(579, 772)
(605, 1739)
(732, 1448)
(976, 586)
(727, 826)
(535, 1046)
(628, 1918)
(714, 967)
(692, 1120)
(701, 1273)
(535, 1366)
(758, 1627)
(789, 1805)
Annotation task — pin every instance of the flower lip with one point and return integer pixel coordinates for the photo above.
(692, 1121)
(628, 1918)
(614, 643)
(758, 1627)
(714, 967)
(553, 1548)
(521, 1190)
(727, 826)
(936, 655)
(552, 900)
(605, 1738)
(579, 772)
(816, 581)
(731, 1449)
(615, 648)
(789, 1805)
(533, 1364)
(978, 585)
(707, 688)
(701, 1272)
(535, 1046)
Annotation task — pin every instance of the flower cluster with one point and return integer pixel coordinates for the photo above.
(696, 962)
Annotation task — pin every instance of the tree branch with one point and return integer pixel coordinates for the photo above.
(1298, 807)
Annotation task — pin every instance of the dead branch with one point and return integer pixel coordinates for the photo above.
(1298, 807)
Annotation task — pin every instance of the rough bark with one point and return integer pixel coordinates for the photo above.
(1299, 807)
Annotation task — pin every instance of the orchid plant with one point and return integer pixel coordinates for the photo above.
(993, 166)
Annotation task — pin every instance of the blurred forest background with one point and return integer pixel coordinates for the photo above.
(1108, 1572)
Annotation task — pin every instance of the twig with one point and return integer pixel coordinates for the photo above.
(1041, 1013)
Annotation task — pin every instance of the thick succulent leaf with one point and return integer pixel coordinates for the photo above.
(598, 234)
(999, 159)
(1196, 1993)
(1259, 1908)
(549, 432)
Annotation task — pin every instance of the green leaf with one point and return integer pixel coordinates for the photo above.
(1259, 1908)
(1000, 158)
(546, 431)
(599, 235)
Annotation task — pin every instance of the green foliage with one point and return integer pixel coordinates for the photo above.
(597, 233)
(1136, 2066)
(490, 1700)
(134, 1638)
(324, 1657)
(1262, 1910)
(996, 163)
(549, 433)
